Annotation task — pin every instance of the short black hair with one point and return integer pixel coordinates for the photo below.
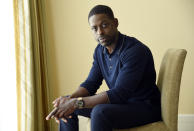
(101, 9)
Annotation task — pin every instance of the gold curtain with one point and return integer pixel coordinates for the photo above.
(32, 88)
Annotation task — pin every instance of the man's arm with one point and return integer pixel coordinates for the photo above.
(86, 89)
(67, 108)
(91, 101)
(95, 77)
(80, 92)
(89, 86)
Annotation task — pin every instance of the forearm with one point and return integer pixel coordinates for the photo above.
(80, 92)
(91, 101)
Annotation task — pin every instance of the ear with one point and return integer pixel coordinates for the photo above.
(116, 22)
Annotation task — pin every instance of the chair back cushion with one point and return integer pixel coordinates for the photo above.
(169, 79)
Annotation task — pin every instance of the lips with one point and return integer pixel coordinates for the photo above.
(102, 39)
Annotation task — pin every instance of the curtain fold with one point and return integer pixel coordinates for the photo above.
(31, 67)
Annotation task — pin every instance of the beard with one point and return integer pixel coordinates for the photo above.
(106, 40)
(105, 44)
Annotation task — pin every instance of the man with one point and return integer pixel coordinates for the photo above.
(127, 66)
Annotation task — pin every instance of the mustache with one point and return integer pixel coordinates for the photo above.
(102, 37)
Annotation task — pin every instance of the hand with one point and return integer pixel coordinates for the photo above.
(50, 115)
(56, 103)
(61, 99)
(65, 109)
(63, 119)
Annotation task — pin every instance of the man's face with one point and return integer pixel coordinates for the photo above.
(103, 28)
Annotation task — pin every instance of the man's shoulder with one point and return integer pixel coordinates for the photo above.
(132, 43)
(133, 46)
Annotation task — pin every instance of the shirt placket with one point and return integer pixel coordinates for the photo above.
(110, 63)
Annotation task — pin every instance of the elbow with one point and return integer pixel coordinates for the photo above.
(118, 96)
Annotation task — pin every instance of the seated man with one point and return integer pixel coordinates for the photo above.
(127, 66)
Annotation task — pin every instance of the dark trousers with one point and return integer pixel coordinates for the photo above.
(105, 117)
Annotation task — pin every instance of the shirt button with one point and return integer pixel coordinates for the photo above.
(109, 59)
(110, 67)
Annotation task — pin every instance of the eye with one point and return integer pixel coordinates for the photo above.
(94, 29)
(104, 25)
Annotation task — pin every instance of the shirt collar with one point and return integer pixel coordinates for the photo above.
(118, 47)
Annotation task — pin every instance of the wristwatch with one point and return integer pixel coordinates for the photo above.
(79, 103)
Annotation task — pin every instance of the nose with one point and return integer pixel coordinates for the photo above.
(100, 31)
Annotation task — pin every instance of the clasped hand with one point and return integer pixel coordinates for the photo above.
(64, 107)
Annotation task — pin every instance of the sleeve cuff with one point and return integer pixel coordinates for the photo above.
(87, 87)
(113, 99)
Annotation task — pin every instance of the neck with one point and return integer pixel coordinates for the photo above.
(111, 47)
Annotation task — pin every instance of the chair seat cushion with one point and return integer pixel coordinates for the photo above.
(156, 126)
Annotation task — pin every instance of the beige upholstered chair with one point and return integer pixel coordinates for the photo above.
(169, 79)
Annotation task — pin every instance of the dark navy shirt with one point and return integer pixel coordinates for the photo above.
(128, 71)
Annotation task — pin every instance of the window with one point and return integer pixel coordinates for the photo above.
(8, 109)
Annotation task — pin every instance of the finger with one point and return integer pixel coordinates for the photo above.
(56, 105)
(51, 114)
(58, 112)
(61, 114)
(63, 119)
(70, 116)
(55, 100)
(67, 112)
(58, 102)
(63, 100)
(57, 120)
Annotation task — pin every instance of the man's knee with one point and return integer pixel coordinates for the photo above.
(100, 119)
(70, 125)
(99, 111)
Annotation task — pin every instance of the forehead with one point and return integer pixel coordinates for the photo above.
(98, 19)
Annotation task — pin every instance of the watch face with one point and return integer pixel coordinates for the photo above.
(80, 103)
